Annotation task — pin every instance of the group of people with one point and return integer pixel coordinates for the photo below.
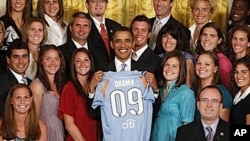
(94, 79)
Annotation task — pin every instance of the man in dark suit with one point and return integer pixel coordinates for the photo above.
(163, 15)
(122, 42)
(103, 53)
(141, 28)
(209, 105)
(79, 28)
(18, 61)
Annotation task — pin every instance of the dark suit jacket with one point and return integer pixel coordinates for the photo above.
(3, 61)
(99, 52)
(149, 57)
(7, 80)
(194, 131)
(158, 49)
(134, 66)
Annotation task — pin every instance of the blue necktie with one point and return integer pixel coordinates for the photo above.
(123, 67)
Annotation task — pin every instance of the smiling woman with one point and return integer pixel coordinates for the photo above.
(17, 13)
(47, 88)
(239, 113)
(52, 12)
(73, 103)
(177, 99)
(20, 110)
(34, 34)
(207, 71)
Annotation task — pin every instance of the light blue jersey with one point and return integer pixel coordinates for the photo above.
(126, 106)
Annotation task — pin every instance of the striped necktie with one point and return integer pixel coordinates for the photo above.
(24, 80)
(123, 67)
(209, 135)
(154, 33)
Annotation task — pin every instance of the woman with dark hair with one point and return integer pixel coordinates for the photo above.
(47, 88)
(34, 34)
(207, 73)
(239, 13)
(177, 99)
(173, 38)
(73, 103)
(52, 12)
(20, 120)
(212, 39)
(17, 13)
(240, 43)
(240, 112)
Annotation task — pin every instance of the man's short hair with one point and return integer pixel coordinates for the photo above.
(211, 87)
(16, 44)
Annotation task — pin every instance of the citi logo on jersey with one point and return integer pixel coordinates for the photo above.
(130, 123)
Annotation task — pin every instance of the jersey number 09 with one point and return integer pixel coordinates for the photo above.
(134, 99)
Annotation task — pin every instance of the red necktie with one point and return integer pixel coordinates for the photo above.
(105, 38)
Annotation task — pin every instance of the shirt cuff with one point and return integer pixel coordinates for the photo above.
(91, 95)
(156, 94)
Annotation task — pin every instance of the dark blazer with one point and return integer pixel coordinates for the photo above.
(3, 61)
(7, 80)
(134, 66)
(67, 50)
(99, 52)
(158, 49)
(149, 57)
(194, 131)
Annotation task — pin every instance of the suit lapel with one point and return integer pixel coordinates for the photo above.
(11, 77)
(111, 66)
(200, 134)
(221, 131)
(144, 55)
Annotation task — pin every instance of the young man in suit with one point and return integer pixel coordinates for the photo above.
(103, 53)
(210, 127)
(163, 17)
(79, 28)
(141, 28)
(17, 56)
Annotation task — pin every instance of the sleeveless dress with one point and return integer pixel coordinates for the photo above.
(48, 114)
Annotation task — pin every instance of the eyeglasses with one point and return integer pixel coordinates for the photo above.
(95, 1)
(212, 101)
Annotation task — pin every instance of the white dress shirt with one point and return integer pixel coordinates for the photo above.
(57, 35)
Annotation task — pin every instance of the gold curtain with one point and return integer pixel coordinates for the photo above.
(123, 11)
